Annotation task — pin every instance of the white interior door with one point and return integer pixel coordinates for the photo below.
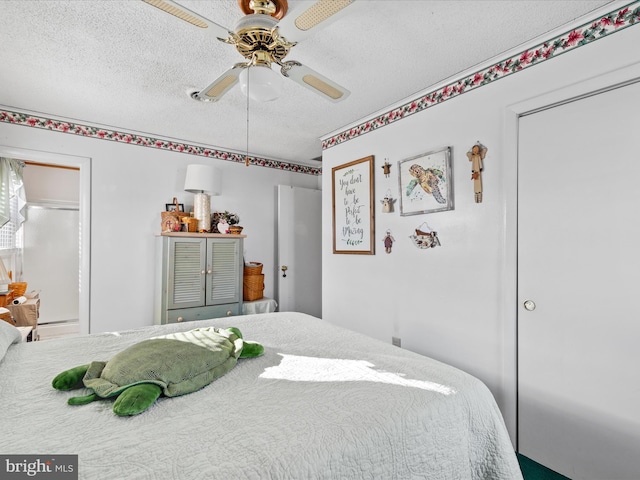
(300, 250)
(578, 262)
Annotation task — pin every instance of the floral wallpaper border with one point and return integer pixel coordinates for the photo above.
(612, 22)
(601, 27)
(36, 121)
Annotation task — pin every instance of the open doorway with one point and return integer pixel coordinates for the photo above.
(50, 212)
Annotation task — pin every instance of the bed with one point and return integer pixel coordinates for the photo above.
(323, 402)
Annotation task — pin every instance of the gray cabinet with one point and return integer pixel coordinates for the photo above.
(200, 277)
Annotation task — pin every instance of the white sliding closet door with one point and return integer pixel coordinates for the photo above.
(579, 266)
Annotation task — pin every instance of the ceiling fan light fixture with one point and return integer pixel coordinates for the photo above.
(260, 83)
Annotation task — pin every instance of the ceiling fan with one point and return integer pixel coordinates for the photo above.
(257, 38)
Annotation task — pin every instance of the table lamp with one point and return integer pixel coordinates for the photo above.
(203, 181)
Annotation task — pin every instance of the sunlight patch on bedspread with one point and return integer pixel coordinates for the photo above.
(311, 369)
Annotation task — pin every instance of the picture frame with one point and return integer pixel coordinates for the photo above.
(353, 208)
(171, 207)
(426, 183)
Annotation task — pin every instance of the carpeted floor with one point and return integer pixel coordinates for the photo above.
(534, 471)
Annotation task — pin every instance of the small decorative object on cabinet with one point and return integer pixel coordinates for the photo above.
(171, 217)
(199, 276)
(223, 221)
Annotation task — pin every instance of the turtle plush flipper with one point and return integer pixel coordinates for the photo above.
(136, 399)
(70, 379)
(83, 400)
(251, 350)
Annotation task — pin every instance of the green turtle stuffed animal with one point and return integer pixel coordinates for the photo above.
(174, 364)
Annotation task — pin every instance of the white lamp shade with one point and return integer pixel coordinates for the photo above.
(262, 83)
(202, 179)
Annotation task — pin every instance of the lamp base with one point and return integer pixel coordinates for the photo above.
(202, 211)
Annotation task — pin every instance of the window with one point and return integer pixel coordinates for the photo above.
(13, 203)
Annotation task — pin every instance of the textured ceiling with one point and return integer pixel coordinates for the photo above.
(125, 64)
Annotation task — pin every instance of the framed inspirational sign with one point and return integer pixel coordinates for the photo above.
(353, 214)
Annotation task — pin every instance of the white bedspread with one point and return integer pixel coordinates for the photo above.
(322, 403)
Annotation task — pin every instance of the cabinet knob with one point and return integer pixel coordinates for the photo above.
(229, 313)
(202, 272)
(180, 319)
(209, 272)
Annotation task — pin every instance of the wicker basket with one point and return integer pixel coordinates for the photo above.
(253, 287)
(19, 288)
(252, 268)
(6, 316)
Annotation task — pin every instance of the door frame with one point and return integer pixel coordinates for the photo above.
(84, 165)
(508, 309)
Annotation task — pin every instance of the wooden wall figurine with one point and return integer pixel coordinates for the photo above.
(388, 241)
(386, 168)
(476, 157)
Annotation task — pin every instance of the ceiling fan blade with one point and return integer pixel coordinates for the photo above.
(306, 16)
(221, 85)
(189, 16)
(315, 82)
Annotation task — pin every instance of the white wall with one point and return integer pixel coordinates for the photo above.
(129, 187)
(456, 302)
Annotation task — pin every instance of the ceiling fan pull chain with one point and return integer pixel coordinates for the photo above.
(246, 158)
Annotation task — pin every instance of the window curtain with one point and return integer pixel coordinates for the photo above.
(12, 189)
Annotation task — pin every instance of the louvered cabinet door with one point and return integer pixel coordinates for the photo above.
(224, 271)
(199, 277)
(186, 272)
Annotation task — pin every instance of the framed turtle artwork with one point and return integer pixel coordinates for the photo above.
(426, 183)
